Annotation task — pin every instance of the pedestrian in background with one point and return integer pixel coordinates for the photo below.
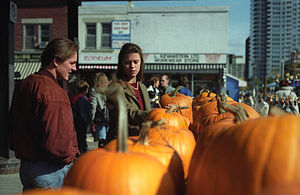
(81, 112)
(99, 111)
(287, 98)
(165, 85)
(184, 82)
(154, 92)
(42, 130)
(134, 93)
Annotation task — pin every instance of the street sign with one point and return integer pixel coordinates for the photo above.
(13, 12)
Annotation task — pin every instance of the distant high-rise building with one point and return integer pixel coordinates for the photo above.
(274, 35)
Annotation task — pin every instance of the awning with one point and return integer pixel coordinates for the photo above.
(181, 67)
(241, 82)
(24, 69)
(101, 67)
(161, 67)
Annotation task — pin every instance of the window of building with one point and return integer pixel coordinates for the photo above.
(44, 35)
(36, 32)
(106, 35)
(29, 36)
(90, 42)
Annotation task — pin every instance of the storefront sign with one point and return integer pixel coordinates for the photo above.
(98, 58)
(186, 58)
(27, 57)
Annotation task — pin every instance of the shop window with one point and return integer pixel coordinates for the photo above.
(90, 42)
(29, 36)
(36, 39)
(106, 35)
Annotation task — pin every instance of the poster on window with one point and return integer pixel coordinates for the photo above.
(120, 33)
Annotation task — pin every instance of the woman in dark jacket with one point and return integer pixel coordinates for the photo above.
(130, 74)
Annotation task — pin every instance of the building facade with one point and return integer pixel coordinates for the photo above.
(274, 35)
(35, 27)
(175, 40)
(236, 66)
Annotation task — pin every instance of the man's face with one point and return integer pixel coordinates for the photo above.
(65, 68)
(164, 82)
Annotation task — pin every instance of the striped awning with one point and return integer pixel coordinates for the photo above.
(24, 69)
(161, 67)
(180, 67)
(101, 67)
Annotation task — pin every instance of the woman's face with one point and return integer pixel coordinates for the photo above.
(156, 84)
(131, 65)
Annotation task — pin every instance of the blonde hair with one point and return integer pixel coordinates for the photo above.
(100, 82)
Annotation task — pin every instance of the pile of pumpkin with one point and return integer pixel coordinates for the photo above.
(236, 151)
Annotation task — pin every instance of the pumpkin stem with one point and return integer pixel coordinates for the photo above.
(114, 97)
(220, 101)
(158, 123)
(144, 133)
(239, 111)
(173, 108)
(181, 108)
(173, 94)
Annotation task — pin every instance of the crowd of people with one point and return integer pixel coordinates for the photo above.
(48, 131)
(283, 97)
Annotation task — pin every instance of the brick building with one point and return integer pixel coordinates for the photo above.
(35, 27)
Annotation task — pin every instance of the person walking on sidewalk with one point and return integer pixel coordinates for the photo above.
(81, 111)
(42, 130)
(99, 111)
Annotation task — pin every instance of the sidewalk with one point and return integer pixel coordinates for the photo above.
(10, 184)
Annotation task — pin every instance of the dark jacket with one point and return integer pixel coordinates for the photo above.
(135, 115)
(41, 121)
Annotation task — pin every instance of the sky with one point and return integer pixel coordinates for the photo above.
(238, 17)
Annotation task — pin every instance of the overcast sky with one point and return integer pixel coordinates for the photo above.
(238, 17)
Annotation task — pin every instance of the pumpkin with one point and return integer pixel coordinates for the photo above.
(170, 115)
(249, 157)
(214, 111)
(163, 153)
(178, 99)
(119, 172)
(182, 140)
(210, 133)
(61, 191)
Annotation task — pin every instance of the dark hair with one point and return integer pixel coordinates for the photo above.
(283, 83)
(60, 48)
(126, 49)
(184, 81)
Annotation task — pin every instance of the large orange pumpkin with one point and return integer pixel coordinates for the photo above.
(182, 140)
(119, 172)
(163, 153)
(171, 117)
(249, 157)
(178, 99)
